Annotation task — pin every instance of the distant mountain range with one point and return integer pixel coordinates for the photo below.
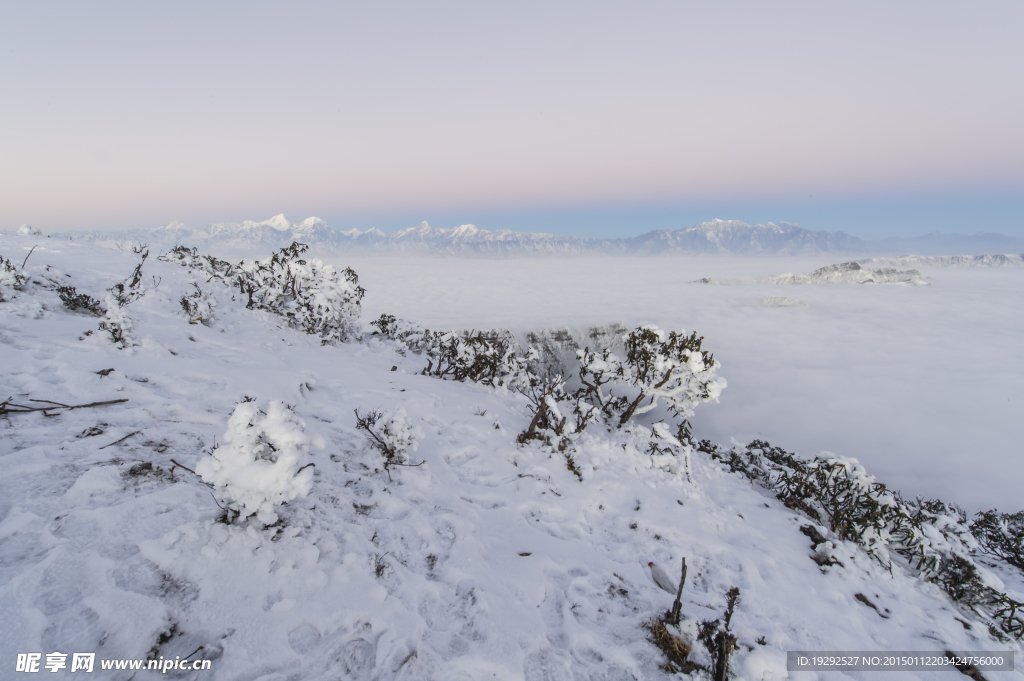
(717, 237)
(1007, 260)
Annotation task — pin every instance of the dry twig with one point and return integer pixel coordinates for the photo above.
(10, 407)
(121, 440)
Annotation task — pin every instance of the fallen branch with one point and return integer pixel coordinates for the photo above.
(6, 406)
(59, 404)
(121, 440)
(180, 466)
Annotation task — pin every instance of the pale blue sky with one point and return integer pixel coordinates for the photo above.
(875, 118)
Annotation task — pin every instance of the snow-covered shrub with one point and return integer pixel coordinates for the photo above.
(595, 373)
(488, 359)
(311, 295)
(932, 537)
(672, 369)
(391, 433)
(128, 291)
(548, 424)
(835, 491)
(257, 467)
(1001, 535)
(386, 325)
(197, 306)
(408, 334)
(665, 447)
(73, 300)
(718, 639)
(11, 278)
(190, 258)
(676, 652)
(659, 368)
(959, 578)
(927, 533)
(117, 323)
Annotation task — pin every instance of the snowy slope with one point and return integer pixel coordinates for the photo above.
(490, 560)
(863, 371)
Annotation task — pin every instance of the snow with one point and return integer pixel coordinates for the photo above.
(864, 371)
(1001, 260)
(258, 465)
(488, 559)
(280, 222)
(716, 237)
(781, 301)
(848, 273)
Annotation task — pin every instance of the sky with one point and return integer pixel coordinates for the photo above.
(596, 118)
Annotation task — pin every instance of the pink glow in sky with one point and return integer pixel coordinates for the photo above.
(133, 114)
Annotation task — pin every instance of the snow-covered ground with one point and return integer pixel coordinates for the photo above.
(920, 383)
(489, 560)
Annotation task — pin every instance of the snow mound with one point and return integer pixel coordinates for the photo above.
(257, 467)
(848, 273)
(28, 230)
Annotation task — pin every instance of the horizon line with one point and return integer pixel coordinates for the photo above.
(292, 224)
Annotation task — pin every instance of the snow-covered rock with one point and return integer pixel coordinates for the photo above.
(781, 301)
(848, 273)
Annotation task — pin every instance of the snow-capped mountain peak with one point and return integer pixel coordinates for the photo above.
(462, 231)
(422, 230)
(715, 237)
(280, 222)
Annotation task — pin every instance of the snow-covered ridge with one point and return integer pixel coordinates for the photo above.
(848, 273)
(840, 273)
(781, 301)
(716, 237)
(1000, 260)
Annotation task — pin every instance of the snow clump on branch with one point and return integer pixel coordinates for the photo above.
(391, 433)
(257, 467)
(10, 277)
(675, 370)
